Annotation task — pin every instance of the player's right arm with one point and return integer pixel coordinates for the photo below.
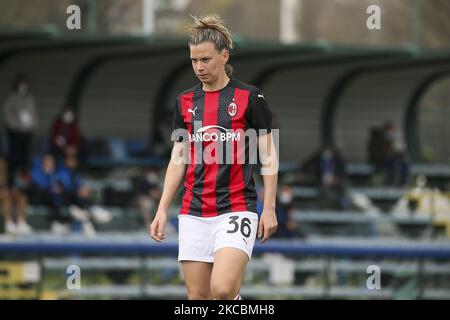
(174, 176)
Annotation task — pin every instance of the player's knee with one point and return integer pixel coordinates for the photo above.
(223, 292)
(195, 294)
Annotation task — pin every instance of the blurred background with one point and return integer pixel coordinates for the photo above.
(87, 90)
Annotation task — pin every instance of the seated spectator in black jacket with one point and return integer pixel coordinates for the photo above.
(326, 170)
(148, 195)
(287, 226)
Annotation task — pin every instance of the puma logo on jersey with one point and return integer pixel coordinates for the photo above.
(260, 95)
(193, 111)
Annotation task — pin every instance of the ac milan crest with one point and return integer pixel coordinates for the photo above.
(232, 109)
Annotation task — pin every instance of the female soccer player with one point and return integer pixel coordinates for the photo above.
(218, 219)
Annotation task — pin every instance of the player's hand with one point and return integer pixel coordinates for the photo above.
(267, 225)
(157, 226)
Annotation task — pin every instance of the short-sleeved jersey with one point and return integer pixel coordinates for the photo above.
(211, 189)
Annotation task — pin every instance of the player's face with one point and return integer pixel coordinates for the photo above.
(207, 62)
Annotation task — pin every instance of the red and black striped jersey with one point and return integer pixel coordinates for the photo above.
(211, 189)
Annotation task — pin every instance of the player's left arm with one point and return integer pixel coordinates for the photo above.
(269, 171)
(260, 119)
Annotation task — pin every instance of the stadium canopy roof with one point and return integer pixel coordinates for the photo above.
(319, 92)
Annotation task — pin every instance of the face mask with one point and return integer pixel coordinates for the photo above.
(327, 154)
(23, 89)
(421, 181)
(49, 167)
(68, 117)
(285, 197)
(152, 178)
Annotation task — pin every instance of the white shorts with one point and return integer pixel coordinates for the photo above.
(199, 238)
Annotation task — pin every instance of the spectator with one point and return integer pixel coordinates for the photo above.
(78, 197)
(65, 134)
(390, 136)
(46, 189)
(426, 201)
(148, 194)
(287, 227)
(20, 121)
(326, 169)
(7, 199)
(396, 169)
(394, 166)
(376, 148)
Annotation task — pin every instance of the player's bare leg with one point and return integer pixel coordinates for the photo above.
(197, 277)
(228, 273)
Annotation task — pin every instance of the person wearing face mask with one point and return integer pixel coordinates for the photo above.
(65, 134)
(148, 195)
(287, 227)
(326, 170)
(20, 119)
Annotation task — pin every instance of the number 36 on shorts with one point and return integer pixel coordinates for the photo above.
(240, 228)
(241, 224)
